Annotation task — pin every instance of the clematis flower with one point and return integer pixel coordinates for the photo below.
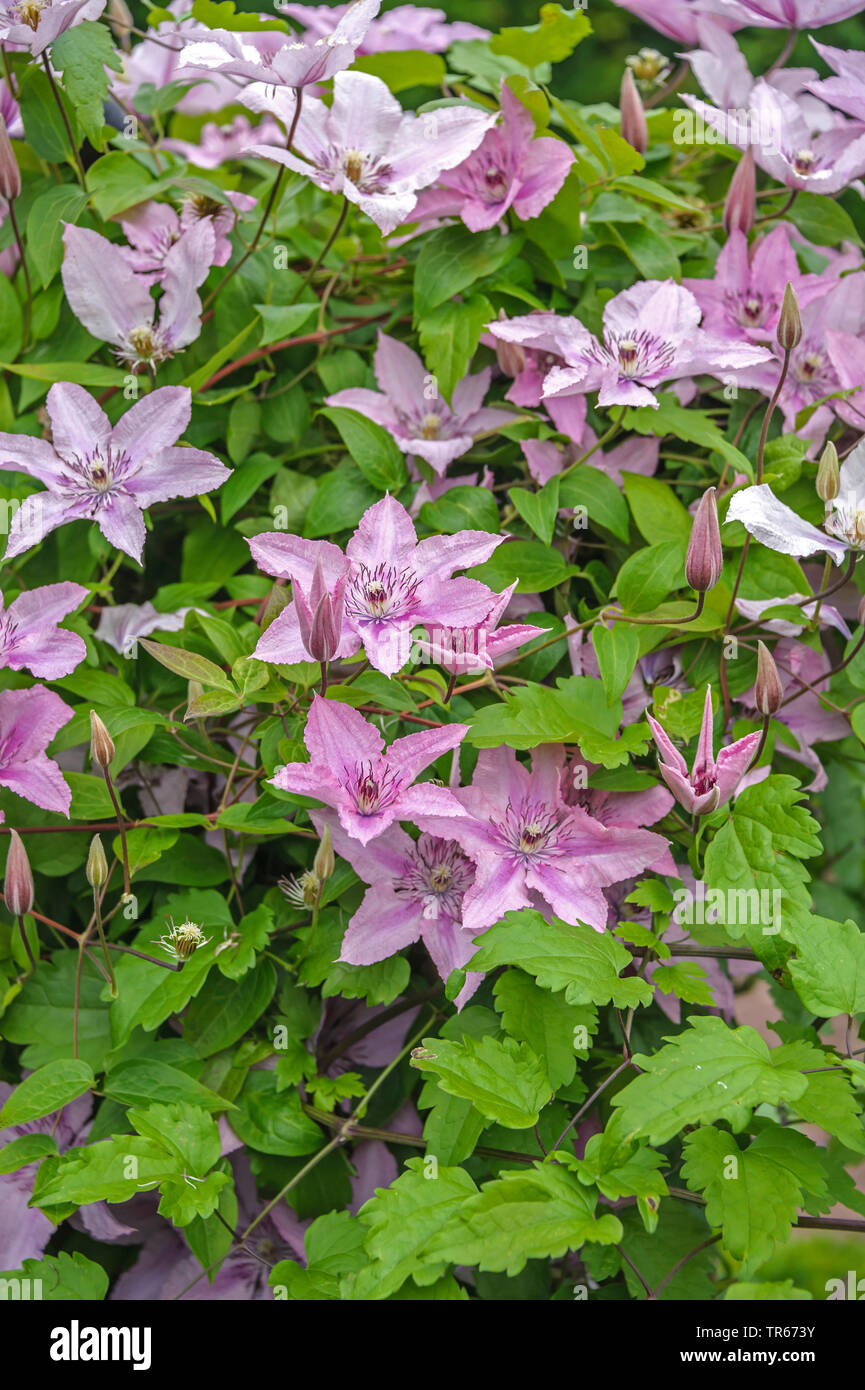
(846, 90)
(401, 29)
(366, 147)
(541, 341)
(107, 474)
(744, 296)
(711, 782)
(274, 58)
(393, 583)
(468, 651)
(153, 228)
(678, 19)
(777, 526)
(122, 625)
(639, 454)
(219, 143)
(651, 335)
(534, 850)
(778, 130)
(753, 609)
(11, 112)
(721, 69)
(35, 24)
(25, 1230)
(115, 304)
(369, 786)
(783, 14)
(416, 893)
(154, 62)
(509, 169)
(30, 638)
(409, 406)
(29, 720)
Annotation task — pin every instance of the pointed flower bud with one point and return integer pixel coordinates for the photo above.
(97, 865)
(510, 356)
(861, 614)
(705, 558)
(740, 207)
(10, 175)
(120, 22)
(320, 616)
(828, 474)
(18, 884)
(789, 331)
(324, 863)
(101, 743)
(768, 690)
(633, 117)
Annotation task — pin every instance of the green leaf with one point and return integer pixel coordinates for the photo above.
(620, 1167)
(554, 1029)
(583, 962)
(449, 336)
(27, 1149)
(45, 227)
(83, 52)
(453, 1126)
(283, 320)
(222, 14)
(79, 373)
(189, 665)
(62, 1278)
(651, 575)
(656, 509)
(375, 452)
(551, 41)
(822, 220)
(505, 1080)
(685, 980)
(90, 798)
(227, 1008)
(708, 1072)
(402, 69)
(684, 423)
(576, 712)
(273, 1121)
(340, 501)
(46, 1090)
(616, 649)
(402, 1220)
(42, 1014)
(539, 509)
(462, 508)
(536, 568)
(780, 1291)
(453, 258)
(523, 1216)
(829, 968)
(605, 506)
(649, 251)
(752, 1195)
(143, 1081)
(43, 124)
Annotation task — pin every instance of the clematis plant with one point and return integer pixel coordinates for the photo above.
(711, 781)
(30, 638)
(94, 471)
(29, 720)
(35, 24)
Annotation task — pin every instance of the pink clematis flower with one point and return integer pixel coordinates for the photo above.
(393, 583)
(786, 627)
(783, 14)
(409, 406)
(721, 69)
(35, 24)
(416, 893)
(509, 169)
(534, 850)
(154, 62)
(366, 147)
(401, 29)
(29, 720)
(846, 90)
(469, 651)
(743, 298)
(219, 143)
(532, 345)
(107, 474)
(369, 786)
(30, 638)
(779, 131)
(651, 335)
(115, 304)
(121, 625)
(678, 19)
(639, 454)
(711, 782)
(279, 60)
(153, 228)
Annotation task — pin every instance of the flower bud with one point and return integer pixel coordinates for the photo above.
(120, 22)
(510, 356)
(789, 330)
(324, 863)
(101, 743)
(10, 175)
(705, 558)
(740, 207)
(828, 474)
(861, 613)
(97, 865)
(320, 616)
(768, 690)
(18, 884)
(633, 118)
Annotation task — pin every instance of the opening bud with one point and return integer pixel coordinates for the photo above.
(10, 175)
(789, 330)
(18, 883)
(705, 558)
(828, 474)
(633, 118)
(768, 690)
(324, 862)
(740, 207)
(101, 743)
(97, 865)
